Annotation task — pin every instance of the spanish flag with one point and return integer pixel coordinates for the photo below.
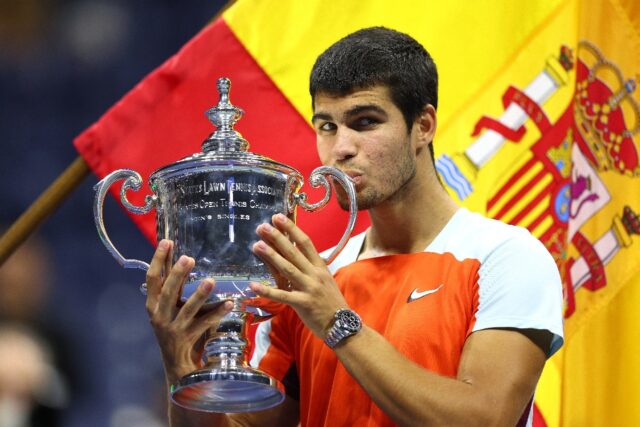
(539, 122)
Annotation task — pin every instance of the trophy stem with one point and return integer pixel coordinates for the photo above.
(227, 383)
(227, 346)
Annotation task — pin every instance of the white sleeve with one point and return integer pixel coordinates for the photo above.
(520, 287)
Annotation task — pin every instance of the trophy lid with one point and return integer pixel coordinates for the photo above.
(225, 146)
(224, 116)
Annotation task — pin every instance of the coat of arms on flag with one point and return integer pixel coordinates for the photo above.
(559, 187)
(574, 184)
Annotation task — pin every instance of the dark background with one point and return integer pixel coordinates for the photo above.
(62, 64)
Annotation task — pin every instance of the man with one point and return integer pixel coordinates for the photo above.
(458, 312)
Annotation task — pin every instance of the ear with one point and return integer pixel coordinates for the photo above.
(425, 127)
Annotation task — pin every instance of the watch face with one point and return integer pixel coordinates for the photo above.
(349, 320)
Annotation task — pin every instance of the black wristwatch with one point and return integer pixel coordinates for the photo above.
(346, 323)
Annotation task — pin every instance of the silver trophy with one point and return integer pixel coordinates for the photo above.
(210, 204)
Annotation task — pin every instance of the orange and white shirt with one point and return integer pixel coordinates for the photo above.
(478, 273)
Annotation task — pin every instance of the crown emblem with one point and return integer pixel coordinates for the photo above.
(607, 116)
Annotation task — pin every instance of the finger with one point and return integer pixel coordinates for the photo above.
(302, 241)
(154, 273)
(173, 285)
(281, 281)
(273, 294)
(269, 306)
(168, 261)
(195, 301)
(211, 319)
(281, 243)
(271, 257)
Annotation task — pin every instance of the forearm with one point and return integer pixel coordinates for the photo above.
(412, 395)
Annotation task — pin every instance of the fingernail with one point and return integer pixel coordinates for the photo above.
(164, 244)
(207, 286)
(184, 260)
(261, 245)
(228, 305)
(280, 218)
(267, 227)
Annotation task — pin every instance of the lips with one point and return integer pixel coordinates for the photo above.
(354, 175)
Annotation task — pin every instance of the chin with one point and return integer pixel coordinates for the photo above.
(364, 202)
(343, 200)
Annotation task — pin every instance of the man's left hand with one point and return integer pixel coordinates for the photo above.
(306, 283)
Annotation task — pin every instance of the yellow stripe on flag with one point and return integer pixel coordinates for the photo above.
(524, 202)
(548, 391)
(515, 187)
(542, 227)
(467, 40)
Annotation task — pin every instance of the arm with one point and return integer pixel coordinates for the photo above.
(496, 378)
(497, 373)
(179, 331)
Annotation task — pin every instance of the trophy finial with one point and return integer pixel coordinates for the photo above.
(224, 84)
(224, 116)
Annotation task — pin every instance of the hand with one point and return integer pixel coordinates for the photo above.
(179, 330)
(312, 293)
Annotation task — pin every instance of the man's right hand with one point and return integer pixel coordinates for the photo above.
(179, 330)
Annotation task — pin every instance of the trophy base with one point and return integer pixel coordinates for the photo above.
(227, 390)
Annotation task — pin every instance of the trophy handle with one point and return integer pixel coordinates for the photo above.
(133, 181)
(319, 178)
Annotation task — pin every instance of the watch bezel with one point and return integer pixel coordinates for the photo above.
(348, 320)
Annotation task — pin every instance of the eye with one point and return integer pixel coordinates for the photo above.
(365, 122)
(326, 127)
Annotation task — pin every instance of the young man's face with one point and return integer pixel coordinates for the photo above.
(365, 135)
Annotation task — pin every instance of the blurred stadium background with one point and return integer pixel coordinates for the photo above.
(62, 64)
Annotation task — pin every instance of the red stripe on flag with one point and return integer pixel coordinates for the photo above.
(538, 419)
(544, 193)
(538, 220)
(162, 120)
(492, 201)
(520, 194)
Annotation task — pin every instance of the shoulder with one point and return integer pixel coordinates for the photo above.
(519, 285)
(469, 235)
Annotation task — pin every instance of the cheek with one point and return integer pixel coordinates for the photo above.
(324, 150)
(381, 153)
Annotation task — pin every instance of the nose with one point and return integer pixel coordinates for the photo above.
(345, 144)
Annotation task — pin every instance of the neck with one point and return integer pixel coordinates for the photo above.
(410, 220)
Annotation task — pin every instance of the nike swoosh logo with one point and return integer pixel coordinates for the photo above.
(417, 295)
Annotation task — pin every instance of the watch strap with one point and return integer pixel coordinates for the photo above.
(339, 331)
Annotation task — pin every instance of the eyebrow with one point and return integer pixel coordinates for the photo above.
(320, 116)
(353, 111)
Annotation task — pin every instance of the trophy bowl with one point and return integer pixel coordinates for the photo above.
(210, 204)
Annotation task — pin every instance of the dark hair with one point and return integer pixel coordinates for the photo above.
(379, 56)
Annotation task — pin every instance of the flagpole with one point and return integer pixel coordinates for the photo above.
(42, 207)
